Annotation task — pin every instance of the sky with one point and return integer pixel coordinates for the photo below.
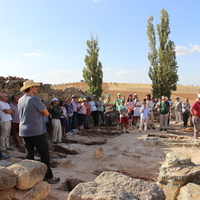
(45, 40)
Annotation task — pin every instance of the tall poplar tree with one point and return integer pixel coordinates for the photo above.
(92, 73)
(163, 66)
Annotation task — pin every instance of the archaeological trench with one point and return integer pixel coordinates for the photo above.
(105, 165)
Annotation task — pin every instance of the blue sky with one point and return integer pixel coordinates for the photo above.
(45, 40)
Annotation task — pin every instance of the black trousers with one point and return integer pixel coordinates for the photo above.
(185, 118)
(95, 117)
(40, 143)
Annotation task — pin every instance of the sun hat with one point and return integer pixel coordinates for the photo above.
(28, 84)
(118, 94)
(54, 99)
(163, 97)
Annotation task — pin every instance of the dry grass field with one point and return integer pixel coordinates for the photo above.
(131, 88)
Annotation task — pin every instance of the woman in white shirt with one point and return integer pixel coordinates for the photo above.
(93, 110)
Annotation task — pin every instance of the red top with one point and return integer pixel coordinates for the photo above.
(196, 107)
(87, 108)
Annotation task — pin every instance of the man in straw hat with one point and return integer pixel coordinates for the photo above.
(32, 128)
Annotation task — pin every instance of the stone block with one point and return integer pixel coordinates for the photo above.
(113, 185)
(40, 191)
(8, 178)
(29, 172)
(190, 191)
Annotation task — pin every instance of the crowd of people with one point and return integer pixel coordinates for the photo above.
(29, 118)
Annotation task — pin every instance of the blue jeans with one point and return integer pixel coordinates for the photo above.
(68, 125)
(74, 120)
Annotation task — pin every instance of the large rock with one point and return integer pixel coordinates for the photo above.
(113, 185)
(40, 191)
(8, 178)
(29, 172)
(177, 171)
(189, 192)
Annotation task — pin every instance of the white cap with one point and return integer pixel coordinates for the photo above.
(198, 95)
(54, 99)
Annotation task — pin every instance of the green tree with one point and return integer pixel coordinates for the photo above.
(163, 66)
(92, 73)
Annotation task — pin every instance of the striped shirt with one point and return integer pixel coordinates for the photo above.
(15, 114)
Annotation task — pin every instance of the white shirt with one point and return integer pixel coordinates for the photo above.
(145, 112)
(150, 105)
(4, 116)
(92, 106)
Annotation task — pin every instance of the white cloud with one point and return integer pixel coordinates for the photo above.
(106, 68)
(64, 76)
(125, 72)
(182, 50)
(16, 63)
(32, 54)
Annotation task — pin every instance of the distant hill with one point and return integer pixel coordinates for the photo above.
(131, 88)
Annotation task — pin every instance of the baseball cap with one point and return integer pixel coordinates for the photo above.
(118, 94)
(54, 99)
(198, 96)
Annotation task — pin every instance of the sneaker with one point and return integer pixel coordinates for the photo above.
(127, 132)
(76, 130)
(160, 129)
(154, 128)
(69, 133)
(122, 131)
(4, 157)
(52, 180)
(165, 129)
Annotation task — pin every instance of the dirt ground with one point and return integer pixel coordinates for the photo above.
(123, 153)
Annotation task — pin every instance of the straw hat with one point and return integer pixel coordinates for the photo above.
(28, 84)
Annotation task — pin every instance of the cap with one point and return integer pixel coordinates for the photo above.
(54, 99)
(80, 99)
(84, 98)
(108, 95)
(198, 96)
(163, 97)
(74, 96)
(118, 94)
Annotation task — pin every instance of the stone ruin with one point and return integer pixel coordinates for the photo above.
(12, 85)
(23, 181)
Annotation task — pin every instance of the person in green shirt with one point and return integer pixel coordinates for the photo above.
(56, 113)
(117, 104)
(164, 113)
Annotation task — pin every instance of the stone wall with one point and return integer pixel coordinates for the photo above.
(23, 181)
(12, 85)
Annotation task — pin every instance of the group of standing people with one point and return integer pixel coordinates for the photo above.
(25, 117)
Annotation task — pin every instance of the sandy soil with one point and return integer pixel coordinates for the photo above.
(123, 153)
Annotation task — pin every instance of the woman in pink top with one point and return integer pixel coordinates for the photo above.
(81, 113)
(130, 103)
